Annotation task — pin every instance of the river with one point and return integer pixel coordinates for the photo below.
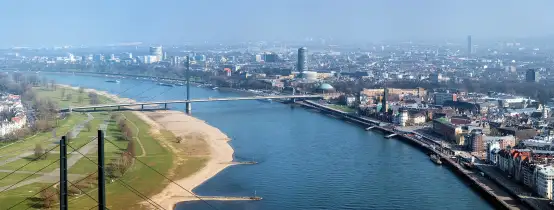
(306, 160)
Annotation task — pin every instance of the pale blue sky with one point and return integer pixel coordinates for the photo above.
(95, 22)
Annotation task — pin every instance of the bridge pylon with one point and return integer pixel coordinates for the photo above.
(188, 107)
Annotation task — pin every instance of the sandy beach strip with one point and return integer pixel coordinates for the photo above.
(220, 153)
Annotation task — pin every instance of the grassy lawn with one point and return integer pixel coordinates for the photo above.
(188, 164)
(14, 196)
(45, 138)
(160, 154)
(34, 165)
(342, 108)
(85, 166)
(56, 95)
(139, 176)
(14, 178)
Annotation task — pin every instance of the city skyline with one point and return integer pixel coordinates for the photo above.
(64, 23)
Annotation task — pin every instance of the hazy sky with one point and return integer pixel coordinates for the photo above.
(96, 22)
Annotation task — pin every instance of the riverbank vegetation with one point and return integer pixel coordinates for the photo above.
(135, 154)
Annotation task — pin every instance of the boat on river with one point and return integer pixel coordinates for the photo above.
(165, 84)
(113, 81)
(436, 159)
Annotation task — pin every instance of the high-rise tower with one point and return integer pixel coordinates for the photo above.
(384, 107)
(157, 51)
(302, 64)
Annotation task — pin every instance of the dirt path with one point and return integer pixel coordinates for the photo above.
(53, 176)
(137, 138)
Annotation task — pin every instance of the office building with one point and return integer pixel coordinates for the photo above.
(175, 61)
(98, 58)
(442, 97)
(545, 175)
(532, 75)
(270, 57)
(258, 58)
(435, 78)
(302, 63)
(157, 51)
(200, 58)
(384, 107)
(127, 55)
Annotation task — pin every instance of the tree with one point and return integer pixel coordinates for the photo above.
(17, 77)
(68, 137)
(48, 198)
(80, 98)
(93, 98)
(53, 84)
(63, 92)
(44, 82)
(39, 152)
(131, 148)
(69, 97)
(179, 139)
(81, 90)
(88, 126)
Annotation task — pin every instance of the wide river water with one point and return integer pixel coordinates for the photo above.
(306, 160)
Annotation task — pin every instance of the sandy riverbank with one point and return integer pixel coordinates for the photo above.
(212, 143)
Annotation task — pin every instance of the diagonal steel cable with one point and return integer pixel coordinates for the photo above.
(40, 169)
(35, 195)
(198, 197)
(151, 202)
(45, 153)
(30, 175)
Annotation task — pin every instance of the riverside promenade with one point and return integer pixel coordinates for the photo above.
(498, 196)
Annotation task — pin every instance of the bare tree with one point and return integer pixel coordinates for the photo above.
(80, 98)
(39, 152)
(131, 148)
(48, 198)
(68, 137)
(63, 92)
(44, 82)
(88, 126)
(94, 98)
(53, 84)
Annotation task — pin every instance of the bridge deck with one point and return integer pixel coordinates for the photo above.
(192, 101)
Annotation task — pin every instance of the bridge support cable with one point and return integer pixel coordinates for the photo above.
(39, 157)
(52, 185)
(144, 197)
(164, 176)
(134, 86)
(133, 190)
(34, 173)
(32, 196)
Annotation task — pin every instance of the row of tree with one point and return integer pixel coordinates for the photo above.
(49, 197)
(45, 115)
(120, 165)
